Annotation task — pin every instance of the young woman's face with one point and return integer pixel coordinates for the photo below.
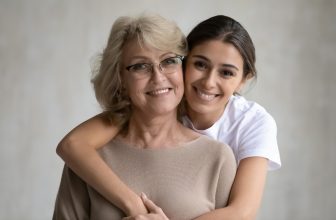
(153, 92)
(214, 71)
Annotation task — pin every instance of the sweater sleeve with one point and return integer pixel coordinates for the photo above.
(72, 200)
(226, 177)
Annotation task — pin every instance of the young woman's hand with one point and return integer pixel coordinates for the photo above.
(154, 211)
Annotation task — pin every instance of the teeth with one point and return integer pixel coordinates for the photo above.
(204, 96)
(158, 92)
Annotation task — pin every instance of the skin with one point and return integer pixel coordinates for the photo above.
(158, 93)
(214, 71)
(154, 101)
(156, 213)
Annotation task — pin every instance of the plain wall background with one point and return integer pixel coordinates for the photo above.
(46, 48)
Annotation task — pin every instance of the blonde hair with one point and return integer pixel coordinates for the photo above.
(149, 30)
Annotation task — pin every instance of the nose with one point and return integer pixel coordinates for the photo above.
(209, 81)
(157, 74)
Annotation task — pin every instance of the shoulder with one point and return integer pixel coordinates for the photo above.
(213, 148)
(241, 105)
(250, 112)
(256, 130)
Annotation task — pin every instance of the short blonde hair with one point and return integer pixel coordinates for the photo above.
(149, 30)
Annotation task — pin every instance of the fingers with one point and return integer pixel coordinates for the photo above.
(150, 205)
(155, 212)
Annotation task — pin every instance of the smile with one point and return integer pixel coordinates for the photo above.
(158, 92)
(205, 96)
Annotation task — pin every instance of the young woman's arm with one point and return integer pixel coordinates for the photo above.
(246, 192)
(78, 149)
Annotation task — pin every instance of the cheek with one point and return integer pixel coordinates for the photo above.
(179, 84)
(134, 88)
(231, 87)
(178, 79)
(190, 75)
(239, 87)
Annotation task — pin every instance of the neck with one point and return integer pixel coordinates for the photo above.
(202, 121)
(160, 131)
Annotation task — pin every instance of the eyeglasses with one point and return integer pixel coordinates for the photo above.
(166, 66)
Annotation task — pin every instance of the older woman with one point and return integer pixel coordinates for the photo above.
(140, 84)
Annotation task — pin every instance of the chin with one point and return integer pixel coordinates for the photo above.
(164, 110)
(200, 108)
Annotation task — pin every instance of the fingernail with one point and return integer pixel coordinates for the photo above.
(143, 195)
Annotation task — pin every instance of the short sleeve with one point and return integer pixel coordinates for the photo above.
(259, 138)
(72, 200)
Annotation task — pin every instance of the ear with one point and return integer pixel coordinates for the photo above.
(248, 76)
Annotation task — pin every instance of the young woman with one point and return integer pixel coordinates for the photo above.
(221, 59)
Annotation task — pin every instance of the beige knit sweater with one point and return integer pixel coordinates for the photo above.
(184, 181)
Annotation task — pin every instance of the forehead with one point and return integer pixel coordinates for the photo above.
(217, 51)
(133, 49)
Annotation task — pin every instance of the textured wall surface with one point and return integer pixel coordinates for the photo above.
(46, 48)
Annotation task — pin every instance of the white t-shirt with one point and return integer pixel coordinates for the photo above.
(248, 129)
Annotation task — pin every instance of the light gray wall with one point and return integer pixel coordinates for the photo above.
(45, 52)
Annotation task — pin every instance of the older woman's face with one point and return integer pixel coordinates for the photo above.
(154, 92)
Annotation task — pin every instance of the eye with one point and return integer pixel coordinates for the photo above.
(138, 67)
(201, 65)
(170, 61)
(226, 73)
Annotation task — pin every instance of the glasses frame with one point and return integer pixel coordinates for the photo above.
(152, 64)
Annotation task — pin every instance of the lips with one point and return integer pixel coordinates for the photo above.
(158, 92)
(204, 95)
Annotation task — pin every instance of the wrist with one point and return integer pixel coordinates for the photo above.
(133, 206)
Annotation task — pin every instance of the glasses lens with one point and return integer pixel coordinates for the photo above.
(140, 70)
(170, 64)
(166, 66)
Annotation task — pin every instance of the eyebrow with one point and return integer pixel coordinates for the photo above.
(208, 60)
(149, 59)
